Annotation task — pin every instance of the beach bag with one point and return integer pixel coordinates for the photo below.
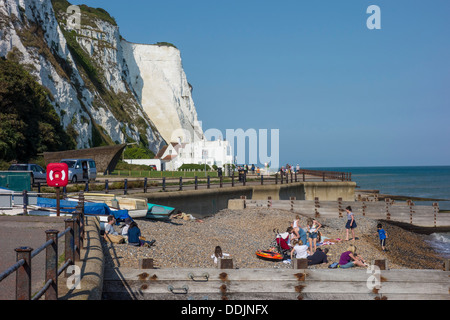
(114, 238)
(334, 265)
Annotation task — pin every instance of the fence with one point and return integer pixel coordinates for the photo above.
(197, 182)
(73, 242)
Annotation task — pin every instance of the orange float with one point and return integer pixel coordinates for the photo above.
(269, 255)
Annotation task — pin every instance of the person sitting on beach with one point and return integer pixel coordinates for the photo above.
(218, 254)
(111, 235)
(350, 259)
(318, 257)
(109, 227)
(300, 250)
(135, 238)
(134, 234)
(126, 226)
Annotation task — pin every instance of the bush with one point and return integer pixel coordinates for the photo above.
(193, 167)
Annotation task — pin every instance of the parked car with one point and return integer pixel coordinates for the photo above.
(81, 169)
(38, 173)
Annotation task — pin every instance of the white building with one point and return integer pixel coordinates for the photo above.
(216, 152)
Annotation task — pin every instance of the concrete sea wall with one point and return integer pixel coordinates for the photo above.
(202, 203)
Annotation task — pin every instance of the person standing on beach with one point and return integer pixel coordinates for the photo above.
(383, 235)
(313, 227)
(351, 223)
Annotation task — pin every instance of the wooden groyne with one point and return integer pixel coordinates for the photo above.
(275, 284)
(402, 212)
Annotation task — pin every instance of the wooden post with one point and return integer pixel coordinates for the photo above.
(381, 263)
(436, 210)
(300, 263)
(145, 263)
(388, 215)
(317, 206)
(447, 265)
(225, 263)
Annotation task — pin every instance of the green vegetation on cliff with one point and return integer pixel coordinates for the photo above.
(29, 124)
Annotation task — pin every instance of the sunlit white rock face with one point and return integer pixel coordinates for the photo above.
(160, 83)
(148, 78)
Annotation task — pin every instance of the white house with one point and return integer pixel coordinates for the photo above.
(216, 152)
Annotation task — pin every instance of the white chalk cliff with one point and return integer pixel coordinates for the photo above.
(160, 83)
(105, 89)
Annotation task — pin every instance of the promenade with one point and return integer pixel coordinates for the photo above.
(28, 231)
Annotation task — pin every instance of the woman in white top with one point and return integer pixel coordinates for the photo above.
(218, 254)
(300, 250)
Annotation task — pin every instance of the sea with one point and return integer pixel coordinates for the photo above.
(431, 182)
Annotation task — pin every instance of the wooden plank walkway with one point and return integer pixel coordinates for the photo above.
(405, 212)
(277, 284)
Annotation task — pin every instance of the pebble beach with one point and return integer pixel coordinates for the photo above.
(190, 243)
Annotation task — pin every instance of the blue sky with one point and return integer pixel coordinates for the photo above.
(340, 94)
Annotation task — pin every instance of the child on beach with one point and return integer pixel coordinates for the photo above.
(296, 226)
(300, 250)
(383, 235)
(313, 227)
(218, 254)
(351, 223)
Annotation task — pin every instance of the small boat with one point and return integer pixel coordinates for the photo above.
(137, 208)
(269, 255)
(159, 212)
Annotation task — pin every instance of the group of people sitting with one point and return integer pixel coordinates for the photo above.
(130, 233)
(302, 242)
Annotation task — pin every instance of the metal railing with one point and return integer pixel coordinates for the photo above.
(197, 182)
(73, 233)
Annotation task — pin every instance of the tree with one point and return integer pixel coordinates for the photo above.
(28, 122)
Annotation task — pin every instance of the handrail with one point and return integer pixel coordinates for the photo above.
(178, 183)
(73, 237)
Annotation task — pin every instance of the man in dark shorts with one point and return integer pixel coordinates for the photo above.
(318, 257)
